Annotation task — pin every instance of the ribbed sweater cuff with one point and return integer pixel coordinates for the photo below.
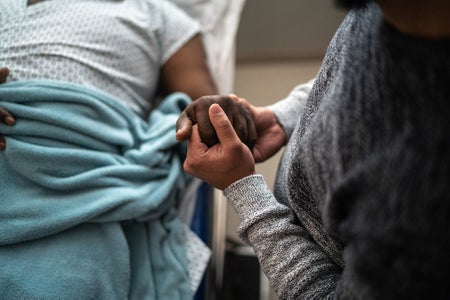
(249, 195)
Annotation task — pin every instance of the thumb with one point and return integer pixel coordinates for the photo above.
(183, 127)
(224, 129)
(4, 72)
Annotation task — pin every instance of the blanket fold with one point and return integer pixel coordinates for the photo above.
(79, 163)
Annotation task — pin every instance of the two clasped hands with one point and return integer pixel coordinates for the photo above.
(226, 136)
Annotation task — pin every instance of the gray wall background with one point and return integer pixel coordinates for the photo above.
(286, 29)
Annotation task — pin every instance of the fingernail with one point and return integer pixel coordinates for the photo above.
(216, 109)
(10, 121)
(233, 97)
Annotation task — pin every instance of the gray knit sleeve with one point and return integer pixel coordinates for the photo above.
(284, 248)
(290, 108)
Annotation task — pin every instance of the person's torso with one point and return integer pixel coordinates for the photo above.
(371, 101)
(111, 45)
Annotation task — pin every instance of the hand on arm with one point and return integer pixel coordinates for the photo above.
(5, 117)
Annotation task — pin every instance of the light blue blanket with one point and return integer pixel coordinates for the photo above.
(87, 194)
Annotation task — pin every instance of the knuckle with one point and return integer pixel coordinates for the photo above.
(225, 124)
(235, 147)
(191, 164)
(187, 166)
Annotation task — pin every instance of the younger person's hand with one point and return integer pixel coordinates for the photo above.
(225, 162)
(197, 113)
(271, 136)
(5, 117)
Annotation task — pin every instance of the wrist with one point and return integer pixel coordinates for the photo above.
(249, 194)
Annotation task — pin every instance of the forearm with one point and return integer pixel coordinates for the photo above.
(187, 71)
(296, 266)
(195, 81)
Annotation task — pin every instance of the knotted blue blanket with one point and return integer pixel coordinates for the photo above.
(88, 192)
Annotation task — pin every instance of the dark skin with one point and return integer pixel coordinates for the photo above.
(190, 63)
(197, 113)
(426, 19)
(31, 2)
(5, 117)
(348, 4)
(187, 71)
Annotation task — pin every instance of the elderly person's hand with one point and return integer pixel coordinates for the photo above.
(5, 117)
(197, 113)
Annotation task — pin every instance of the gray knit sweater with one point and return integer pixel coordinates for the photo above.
(361, 207)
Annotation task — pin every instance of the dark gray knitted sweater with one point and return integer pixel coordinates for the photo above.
(362, 198)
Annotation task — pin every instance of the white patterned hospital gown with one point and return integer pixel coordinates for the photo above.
(115, 46)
